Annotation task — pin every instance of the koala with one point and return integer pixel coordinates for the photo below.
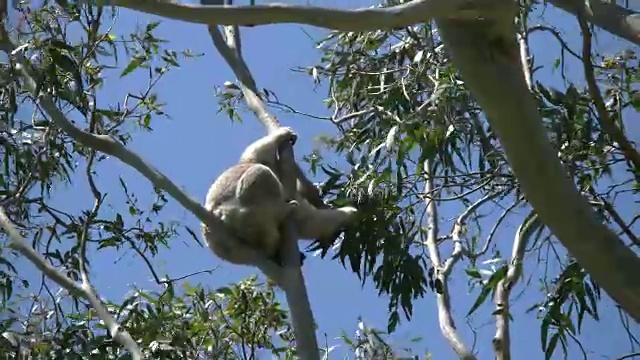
(250, 207)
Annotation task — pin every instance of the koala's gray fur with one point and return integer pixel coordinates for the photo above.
(249, 203)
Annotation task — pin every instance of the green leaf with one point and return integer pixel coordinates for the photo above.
(552, 346)
(488, 288)
(474, 273)
(135, 63)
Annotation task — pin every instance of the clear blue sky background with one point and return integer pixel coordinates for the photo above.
(197, 144)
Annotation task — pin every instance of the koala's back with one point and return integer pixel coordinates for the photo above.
(245, 184)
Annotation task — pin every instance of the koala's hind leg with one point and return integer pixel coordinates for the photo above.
(314, 223)
(227, 247)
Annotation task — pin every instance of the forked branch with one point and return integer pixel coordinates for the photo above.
(607, 123)
(607, 15)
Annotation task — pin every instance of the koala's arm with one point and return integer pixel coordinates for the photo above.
(264, 150)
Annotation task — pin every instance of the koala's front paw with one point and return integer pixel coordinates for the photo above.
(285, 133)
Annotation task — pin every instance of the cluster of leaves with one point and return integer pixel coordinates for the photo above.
(236, 322)
(411, 110)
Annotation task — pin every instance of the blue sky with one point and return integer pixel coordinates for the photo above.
(197, 144)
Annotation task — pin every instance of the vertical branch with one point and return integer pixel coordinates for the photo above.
(447, 325)
(502, 340)
(291, 279)
(604, 118)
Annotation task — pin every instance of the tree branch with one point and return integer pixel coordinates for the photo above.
(486, 50)
(292, 280)
(615, 19)
(83, 290)
(619, 21)
(612, 18)
(416, 11)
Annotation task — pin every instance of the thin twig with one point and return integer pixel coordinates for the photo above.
(604, 118)
(459, 229)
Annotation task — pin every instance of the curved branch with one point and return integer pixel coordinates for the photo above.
(486, 50)
(291, 280)
(416, 11)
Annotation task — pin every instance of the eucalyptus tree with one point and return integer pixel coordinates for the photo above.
(443, 112)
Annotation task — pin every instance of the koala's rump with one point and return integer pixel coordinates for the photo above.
(247, 183)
